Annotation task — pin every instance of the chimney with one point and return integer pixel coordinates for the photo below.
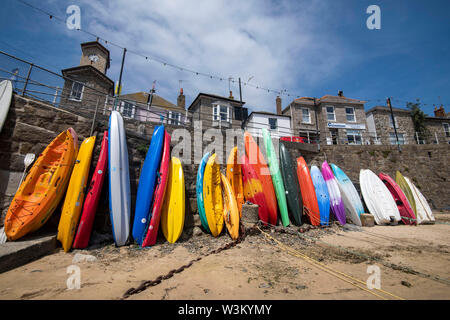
(340, 93)
(278, 103)
(181, 100)
(439, 112)
(231, 95)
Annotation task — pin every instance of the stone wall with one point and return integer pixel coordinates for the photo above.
(31, 125)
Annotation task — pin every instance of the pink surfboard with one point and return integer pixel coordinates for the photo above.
(158, 197)
(93, 196)
(337, 206)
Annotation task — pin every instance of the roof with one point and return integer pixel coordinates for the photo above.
(269, 114)
(157, 101)
(340, 99)
(88, 68)
(438, 118)
(100, 46)
(386, 109)
(215, 97)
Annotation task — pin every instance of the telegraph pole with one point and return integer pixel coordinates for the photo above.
(121, 71)
(393, 123)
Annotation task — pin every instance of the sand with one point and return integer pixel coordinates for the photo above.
(413, 262)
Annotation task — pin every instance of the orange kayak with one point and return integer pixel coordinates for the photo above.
(259, 164)
(234, 176)
(40, 193)
(310, 204)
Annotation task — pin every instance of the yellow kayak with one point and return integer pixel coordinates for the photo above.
(212, 196)
(173, 210)
(73, 203)
(400, 180)
(230, 209)
(234, 176)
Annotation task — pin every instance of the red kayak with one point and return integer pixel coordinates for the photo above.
(158, 197)
(253, 191)
(93, 196)
(310, 203)
(406, 212)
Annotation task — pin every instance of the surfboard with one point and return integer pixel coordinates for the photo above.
(323, 197)
(422, 206)
(119, 180)
(146, 186)
(277, 180)
(6, 91)
(336, 203)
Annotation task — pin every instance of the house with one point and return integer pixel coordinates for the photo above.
(278, 125)
(380, 126)
(150, 107)
(87, 85)
(217, 111)
(438, 127)
(330, 119)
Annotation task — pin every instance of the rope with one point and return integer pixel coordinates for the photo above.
(340, 275)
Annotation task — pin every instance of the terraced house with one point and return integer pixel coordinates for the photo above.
(329, 120)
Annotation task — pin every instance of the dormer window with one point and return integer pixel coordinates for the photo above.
(221, 113)
(127, 109)
(77, 91)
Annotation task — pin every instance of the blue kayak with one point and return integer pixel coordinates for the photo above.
(323, 198)
(199, 191)
(147, 183)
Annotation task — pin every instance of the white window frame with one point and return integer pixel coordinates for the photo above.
(354, 133)
(276, 124)
(71, 96)
(309, 115)
(354, 114)
(174, 120)
(216, 114)
(393, 140)
(445, 125)
(327, 113)
(122, 109)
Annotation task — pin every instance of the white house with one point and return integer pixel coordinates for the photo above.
(278, 125)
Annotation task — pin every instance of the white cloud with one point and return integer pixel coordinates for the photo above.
(280, 44)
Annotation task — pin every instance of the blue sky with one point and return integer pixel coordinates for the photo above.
(309, 48)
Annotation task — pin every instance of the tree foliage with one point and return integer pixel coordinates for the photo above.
(418, 116)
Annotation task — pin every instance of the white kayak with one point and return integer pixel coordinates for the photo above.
(5, 100)
(119, 180)
(422, 207)
(377, 197)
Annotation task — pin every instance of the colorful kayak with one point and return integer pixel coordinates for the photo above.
(310, 204)
(147, 183)
(92, 198)
(401, 182)
(323, 197)
(350, 197)
(277, 180)
(73, 203)
(406, 212)
(119, 180)
(253, 192)
(234, 176)
(290, 180)
(43, 188)
(199, 192)
(422, 206)
(377, 197)
(212, 196)
(173, 210)
(158, 197)
(257, 161)
(336, 203)
(230, 209)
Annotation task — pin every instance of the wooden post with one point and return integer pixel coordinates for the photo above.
(121, 71)
(393, 123)
(26, 81)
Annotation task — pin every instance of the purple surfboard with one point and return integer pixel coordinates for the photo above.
(337, 206)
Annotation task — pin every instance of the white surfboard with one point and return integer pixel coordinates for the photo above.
(119, 180)
(5, 100)
(377, 197)
(350, 210)
(422, 207)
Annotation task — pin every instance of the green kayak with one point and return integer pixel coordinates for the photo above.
(276, 177)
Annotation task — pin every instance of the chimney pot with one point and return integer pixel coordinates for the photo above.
(340, 93)
(181, 100)
(278, 104)
(231, 95)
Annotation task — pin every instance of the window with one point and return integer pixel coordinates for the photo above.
(354, 137)
(306, 117)
(127, 109)
(350, 114)
(446, 129)
(393, 140)
(273, 123)
(391, 124)
(330, 114)
(174, 118)
(221, 113)
(77, 91)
